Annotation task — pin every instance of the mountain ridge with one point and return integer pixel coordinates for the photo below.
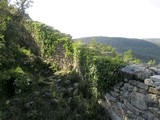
(142, 49)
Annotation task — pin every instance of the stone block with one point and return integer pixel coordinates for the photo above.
(151, 97)
(128, 87)
(154, 90)
(148, 115)
(155, 111)
(138, 72)
(155, 70)
(152, 100)
(155, 78)
(139, 84)
(133, 109)
(136, 89)
(142, 75)
(138, 100)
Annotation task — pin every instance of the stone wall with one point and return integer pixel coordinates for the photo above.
(137, 97)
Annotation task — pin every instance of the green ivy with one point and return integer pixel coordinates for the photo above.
(102, 72)
(106, 72)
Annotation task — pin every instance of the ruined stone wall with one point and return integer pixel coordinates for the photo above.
(137, 97)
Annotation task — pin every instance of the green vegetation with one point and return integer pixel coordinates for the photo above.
(45, 75)
(151, 62)
(142, 49)
(129, 58)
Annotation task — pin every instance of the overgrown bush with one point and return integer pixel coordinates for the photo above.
(101, 72)
(106, 72)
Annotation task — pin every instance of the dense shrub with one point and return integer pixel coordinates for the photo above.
(106, 72)
(101, 72)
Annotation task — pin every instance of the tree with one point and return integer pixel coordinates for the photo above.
(99, 48)
(151, 62)
(22, 5)
(4, 19)
(129, 58)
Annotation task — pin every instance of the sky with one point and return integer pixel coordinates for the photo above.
(113, 18)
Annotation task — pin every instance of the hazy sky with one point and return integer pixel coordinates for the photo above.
(114, 18)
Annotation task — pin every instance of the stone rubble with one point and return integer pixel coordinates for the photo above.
(138, 97)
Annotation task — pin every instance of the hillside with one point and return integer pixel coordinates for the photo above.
(154, 40)
(142, 49)
(44, 75)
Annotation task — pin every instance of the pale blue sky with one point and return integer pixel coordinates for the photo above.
(114, 18)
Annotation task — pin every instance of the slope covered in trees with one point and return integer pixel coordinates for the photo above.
(44, 74)
(143, 50)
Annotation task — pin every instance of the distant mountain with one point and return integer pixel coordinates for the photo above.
(144, 50)
(154, 40)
